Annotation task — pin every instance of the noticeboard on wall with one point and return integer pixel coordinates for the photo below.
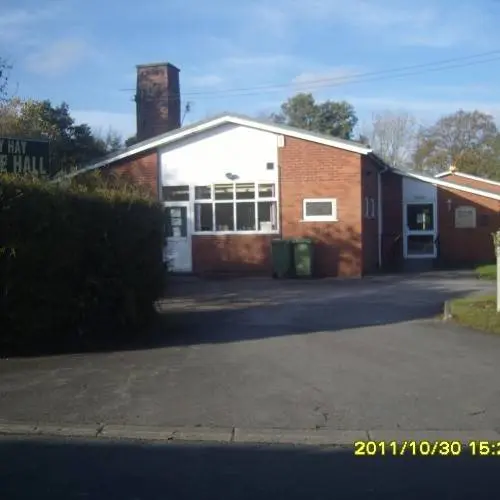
(465, 217)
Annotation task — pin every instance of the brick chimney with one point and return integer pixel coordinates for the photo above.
(158, 102)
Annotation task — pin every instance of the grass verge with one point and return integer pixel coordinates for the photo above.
(479, 313)
(488, 272)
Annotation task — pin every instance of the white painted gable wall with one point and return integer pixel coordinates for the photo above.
(416, 191)
(207, 157)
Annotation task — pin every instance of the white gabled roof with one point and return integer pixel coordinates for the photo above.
(467, 176)
(181, 133)
(449, 185)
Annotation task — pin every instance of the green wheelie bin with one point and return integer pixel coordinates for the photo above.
(282, 258)
(303, 258)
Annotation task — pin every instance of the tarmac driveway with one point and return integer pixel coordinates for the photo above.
(350, 354)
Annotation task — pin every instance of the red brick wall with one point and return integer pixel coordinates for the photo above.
(463, 181)
(310, 170)
(369, 189)
(392, 220)
(158, 107)
(240, 253)
(463, 245)
(141, 169)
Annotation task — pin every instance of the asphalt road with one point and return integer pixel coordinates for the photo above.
(261, 354)
(72, 469)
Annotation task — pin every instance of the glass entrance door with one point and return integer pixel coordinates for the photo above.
(420, 231)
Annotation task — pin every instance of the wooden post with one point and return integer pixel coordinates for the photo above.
(497, 252)
(496, 242)
(447, 311)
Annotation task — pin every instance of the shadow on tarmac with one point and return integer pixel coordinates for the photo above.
(75, 469)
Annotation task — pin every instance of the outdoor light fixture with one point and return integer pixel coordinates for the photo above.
(449, 202)
(231, 176)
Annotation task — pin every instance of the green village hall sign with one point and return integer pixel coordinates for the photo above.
(24, 156)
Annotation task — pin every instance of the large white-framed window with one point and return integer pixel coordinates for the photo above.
(236, 207)
(320, 210)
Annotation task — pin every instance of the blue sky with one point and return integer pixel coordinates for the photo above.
(85, 53)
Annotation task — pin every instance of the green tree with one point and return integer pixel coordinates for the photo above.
(467, 140)
(131, 141)
(337, 119)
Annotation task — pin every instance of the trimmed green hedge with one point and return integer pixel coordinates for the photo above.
(83, 260)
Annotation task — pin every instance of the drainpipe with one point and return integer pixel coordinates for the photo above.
(379, 215)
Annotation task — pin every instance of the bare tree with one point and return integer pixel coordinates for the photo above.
(392, 137)
(265, 116)
(110, 141)
(4, 78)
(466, 139)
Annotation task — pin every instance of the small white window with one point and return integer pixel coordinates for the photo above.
(372, 208)
(320, 209)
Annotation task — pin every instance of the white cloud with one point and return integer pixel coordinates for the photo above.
(14, 23)
(270, 60)
(243, 69)
(123, 123)
(21, 25)
(340, 74)
(267, 18)
(424, 110)
(374, 13)
(58, 57)
(426, 23)
(464, 25)
(425, 104)
(204, 81)
(460, 90)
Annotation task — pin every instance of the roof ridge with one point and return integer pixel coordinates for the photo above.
(217, 120)
(444, 183)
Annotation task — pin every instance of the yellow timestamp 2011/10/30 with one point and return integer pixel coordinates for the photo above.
(426, 448)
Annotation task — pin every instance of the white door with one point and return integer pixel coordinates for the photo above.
(420, 230)
(178, 237)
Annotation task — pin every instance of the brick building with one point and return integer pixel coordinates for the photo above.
(438, 221)
(231, 184)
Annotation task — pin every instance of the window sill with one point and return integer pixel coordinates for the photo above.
(232, 233)
(319, 219)
(421, 256)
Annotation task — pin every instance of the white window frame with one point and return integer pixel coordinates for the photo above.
(407, 233)
(367, 207)
(212, 201)
(320, 218)
(373, 212)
